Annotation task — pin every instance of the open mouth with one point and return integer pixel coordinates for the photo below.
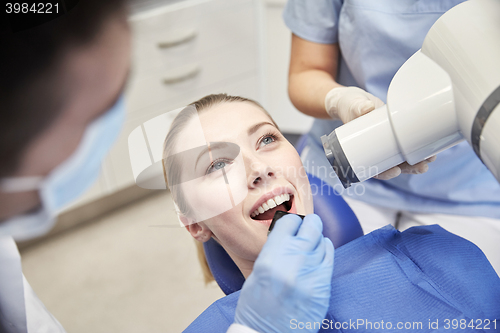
(266, 211)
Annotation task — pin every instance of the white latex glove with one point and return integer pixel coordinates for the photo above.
(348, 103)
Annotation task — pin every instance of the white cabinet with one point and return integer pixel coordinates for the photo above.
(177, 52)
(182, 52)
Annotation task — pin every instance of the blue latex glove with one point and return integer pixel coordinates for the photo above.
(291, 279)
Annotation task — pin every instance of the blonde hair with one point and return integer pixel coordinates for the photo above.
(172, 170)
(202, 259)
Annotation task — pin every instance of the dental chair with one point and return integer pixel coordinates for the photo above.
(339, 224)
(145, 148)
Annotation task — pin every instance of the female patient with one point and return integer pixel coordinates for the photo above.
(229, 169)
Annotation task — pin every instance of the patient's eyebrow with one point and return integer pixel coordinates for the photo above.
(211, 146)
(255, 127)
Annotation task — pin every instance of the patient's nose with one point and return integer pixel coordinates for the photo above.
(260, 173)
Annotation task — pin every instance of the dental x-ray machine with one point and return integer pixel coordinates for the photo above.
(447, 91)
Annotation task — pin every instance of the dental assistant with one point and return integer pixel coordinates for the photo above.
(344, 55)
(61, 109)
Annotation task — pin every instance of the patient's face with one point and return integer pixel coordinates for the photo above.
(249, 172)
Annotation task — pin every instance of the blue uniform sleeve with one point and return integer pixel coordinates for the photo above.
(314, 20)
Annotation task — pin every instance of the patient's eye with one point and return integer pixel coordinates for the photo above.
(217, 165)
(267, 139)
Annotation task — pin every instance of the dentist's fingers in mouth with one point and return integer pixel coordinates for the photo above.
(287, 225)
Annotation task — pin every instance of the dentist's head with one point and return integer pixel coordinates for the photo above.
(61, 110)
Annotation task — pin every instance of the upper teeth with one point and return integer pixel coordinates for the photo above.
(271, 203)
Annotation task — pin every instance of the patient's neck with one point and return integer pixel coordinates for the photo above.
(245, 266)
(246, 270)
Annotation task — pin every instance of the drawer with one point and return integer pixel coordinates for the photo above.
(185, 35)
(118, 169)
(185, 11)
(169, 82)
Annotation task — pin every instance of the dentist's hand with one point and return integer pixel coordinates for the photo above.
(291, 279)
(349, 103)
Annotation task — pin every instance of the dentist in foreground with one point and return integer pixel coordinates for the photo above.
(61, 108)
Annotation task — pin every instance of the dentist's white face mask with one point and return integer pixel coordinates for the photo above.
(67, 181)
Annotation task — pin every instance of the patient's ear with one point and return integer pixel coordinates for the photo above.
(199, 231)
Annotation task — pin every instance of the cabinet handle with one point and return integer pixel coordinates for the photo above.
(192, 72)
(178, 41)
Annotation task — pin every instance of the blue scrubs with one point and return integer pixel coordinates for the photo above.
(376, 37)
(423, 275)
